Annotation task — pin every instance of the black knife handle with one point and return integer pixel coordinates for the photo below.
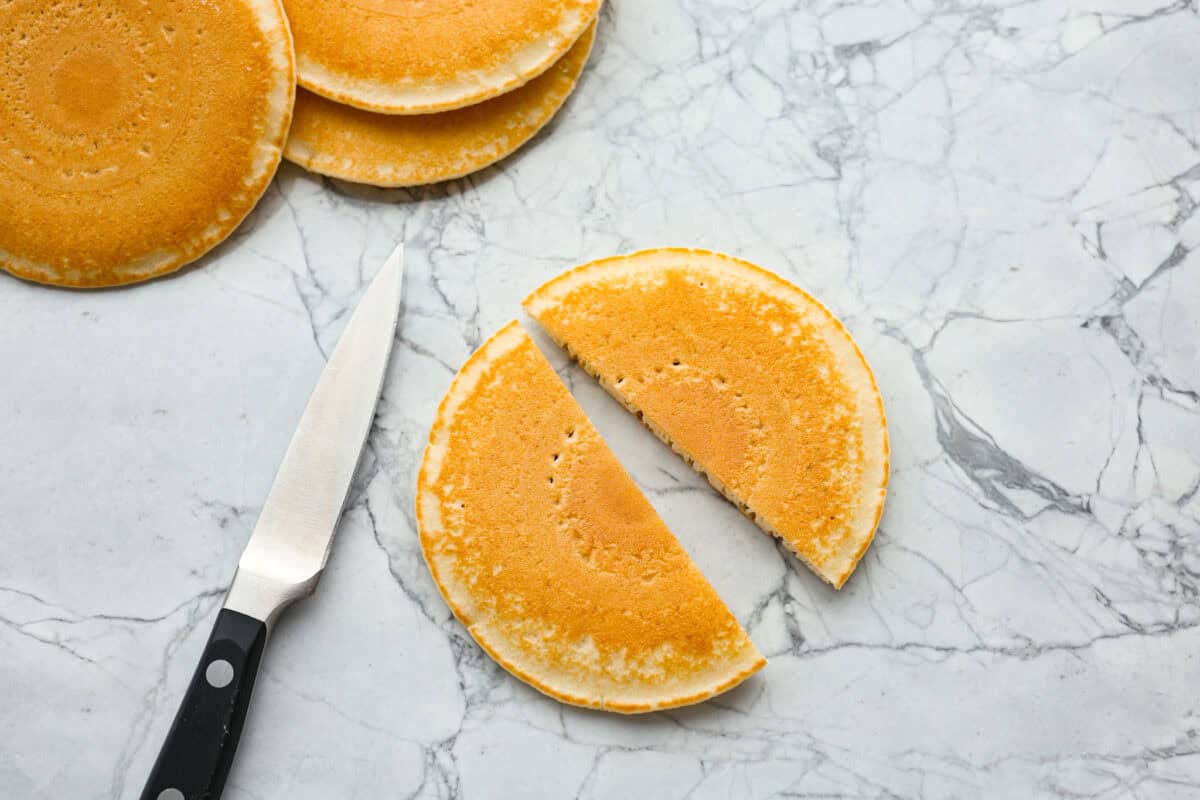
(196, 757)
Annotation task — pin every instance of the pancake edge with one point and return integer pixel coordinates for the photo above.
(549, 293)
(428, 512)
(532, 60)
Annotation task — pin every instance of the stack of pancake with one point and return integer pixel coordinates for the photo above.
(543, 546)
(403, 93)
(135, 135)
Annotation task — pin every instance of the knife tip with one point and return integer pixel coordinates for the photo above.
(392, 272)
(395, 261)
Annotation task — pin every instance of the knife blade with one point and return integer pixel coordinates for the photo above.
(287, 550)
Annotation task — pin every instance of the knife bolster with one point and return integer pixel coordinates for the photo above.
(265, 598)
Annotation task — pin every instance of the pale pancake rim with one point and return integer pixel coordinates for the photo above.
(532, 60)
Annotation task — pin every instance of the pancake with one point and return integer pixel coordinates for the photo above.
(423, 56)
(135, 134)
(748, 378)
(550, 556)
(391, 150)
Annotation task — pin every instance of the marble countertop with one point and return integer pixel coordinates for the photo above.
(1000, 200)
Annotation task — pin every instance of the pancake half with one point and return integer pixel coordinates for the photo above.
(423, 56)
(392, 150)
(135, 134)
(748, 378)
(550, 556)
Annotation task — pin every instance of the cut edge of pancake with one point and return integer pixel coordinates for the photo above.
(556, 684)
(875, 437)
(311, 158)
(532, 60)
(268, 154)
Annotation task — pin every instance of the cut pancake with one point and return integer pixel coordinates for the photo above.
(135, 134)
(550, 556)
(748, 378)
(390, 150)
(406, 57)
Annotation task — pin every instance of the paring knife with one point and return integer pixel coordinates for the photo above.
(287, 550)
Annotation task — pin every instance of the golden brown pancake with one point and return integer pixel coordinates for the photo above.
(748, 378)
(392, 150)
(550, 556)
(422, 56)
(135, 134)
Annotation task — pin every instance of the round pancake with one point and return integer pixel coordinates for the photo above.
(550, 556)
(423, 56)
(135, 134)
(391, 150)
(748, 378)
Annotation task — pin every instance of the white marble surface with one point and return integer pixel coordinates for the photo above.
(1000, 200)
